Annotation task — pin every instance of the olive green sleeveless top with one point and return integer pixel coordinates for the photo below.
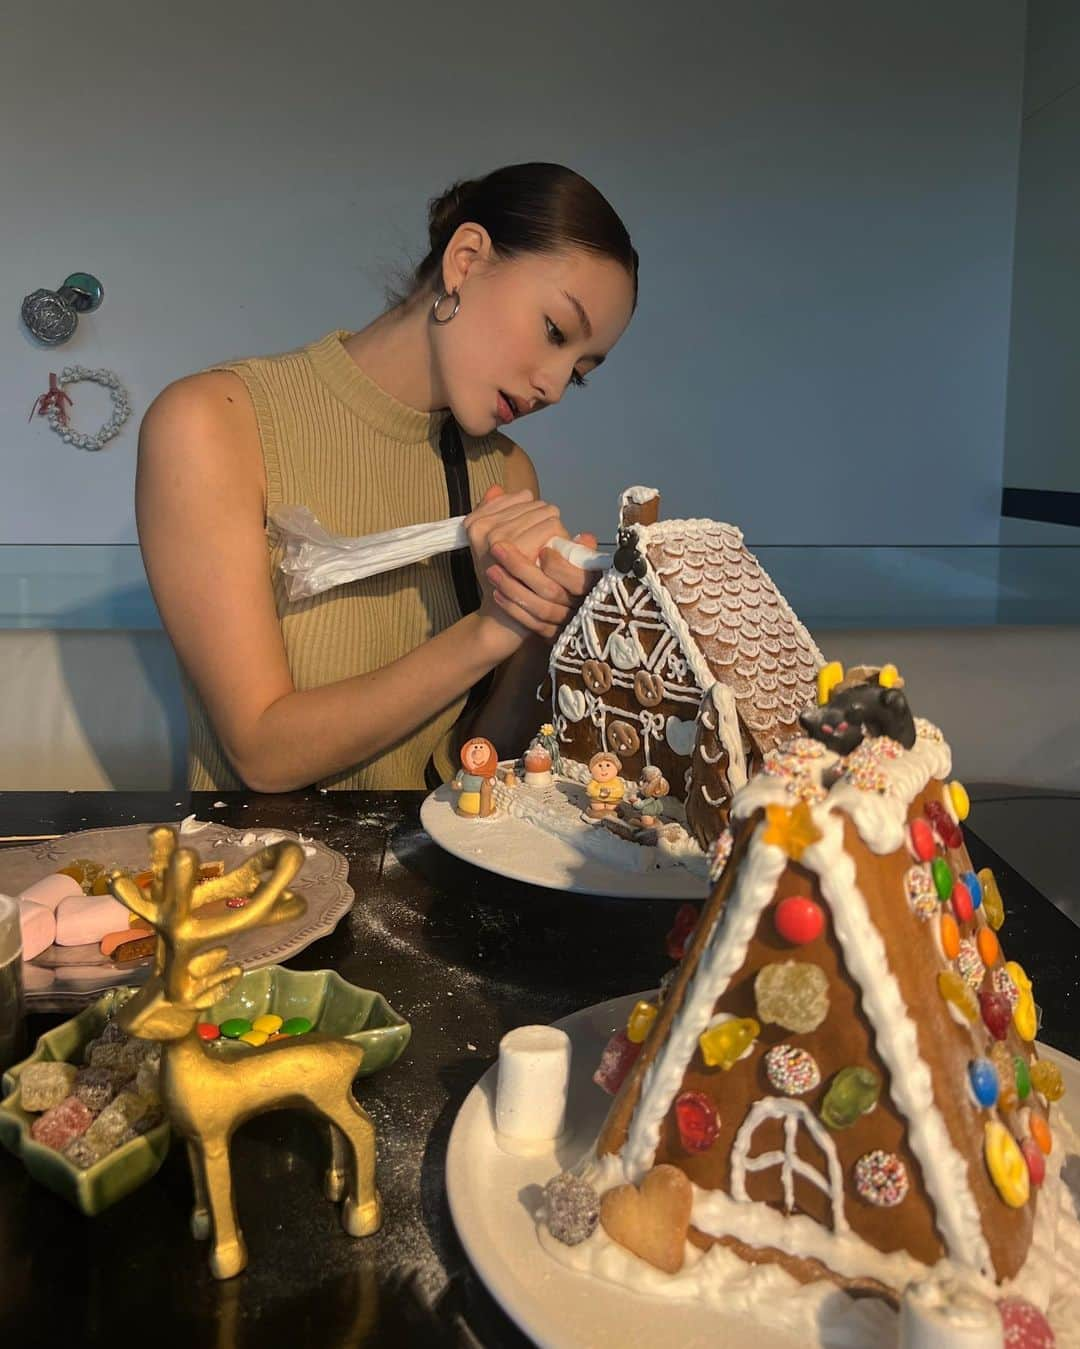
(362, 462)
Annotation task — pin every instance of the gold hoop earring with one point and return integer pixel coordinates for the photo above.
(446, 295)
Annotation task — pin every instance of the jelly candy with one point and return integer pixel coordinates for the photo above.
(1025, 1017)
(961, 802)
(45, 1084)
(686, 917)
(974, 888)
(968, 964)
(792, 994)
(958, 994)
(944, 825)
(1002, 1060)
(984, 1081)
(950, 936)
(943, 878)
(638, 1023)
(697, 1119)
(881, 1179)
(267, 1023)
(791, 1070)
(852, 1092)
(615, 1062)
(296, 1025)
(1046, 1079)
(991, 898)
(95, 1087)
(791, 828)
(1040, 1131)
(919, 888)
(961, 902)
(989, 947)
(724, 1043)
(571, 1208)
(996, 1013)
(235, 1027)
(64, 1122)
(1023, 1078)
(1006, 1164)
(1024, 1326)
(799, 920)
(922, 840)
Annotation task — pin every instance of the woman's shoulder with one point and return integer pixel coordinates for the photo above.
(517, 468)
(208, 418)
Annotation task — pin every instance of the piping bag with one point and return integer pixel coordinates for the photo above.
(315, 560)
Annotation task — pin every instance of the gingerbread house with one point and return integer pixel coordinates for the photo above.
(684, 656)
(843, 1068)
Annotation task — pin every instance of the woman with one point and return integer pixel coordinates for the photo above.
(529, 281)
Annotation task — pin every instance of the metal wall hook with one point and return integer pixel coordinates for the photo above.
(53, 315)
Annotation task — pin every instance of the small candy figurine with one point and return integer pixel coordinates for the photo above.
(653, 788)
(537, 764)
(473, 784)
(607, 788)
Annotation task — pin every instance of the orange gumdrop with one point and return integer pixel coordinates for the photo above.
(989, 946)
(950, 936)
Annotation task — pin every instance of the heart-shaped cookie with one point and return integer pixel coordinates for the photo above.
(680, 735)
(651, 1222)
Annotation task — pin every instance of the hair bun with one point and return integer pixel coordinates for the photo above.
(445, 212)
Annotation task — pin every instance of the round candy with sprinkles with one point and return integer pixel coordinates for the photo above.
(969, 963)
(881, 1179)
(920, 891)
(1002, 983)
(1025, 1327)
(791, 1070)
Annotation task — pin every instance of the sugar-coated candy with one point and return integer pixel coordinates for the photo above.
(43, 1085)
(112, 1033)
(95, 1087)
(791, 1070)
(991, 899)
(234, 1027)
(686, 917)
(638, 1023)
(155, 1114)
(1001, 981)
(969, 964)
(973, 887)
(615, 1062)
(984, 1081)
(1023, 1077)
(944, 825)
(724, 1043)
(117, 1116)
(254, 1037)
(83, 1152)
(961, 802)
(1024, 1326)
(988, 945)
(572, 1208)
(1040, 1131)
(1034, 1160)
(268, 1023)
(799, 919)
(1024, 1015)
(698, 1122)
(116, 1056)
(58, 1126)
(147, 1079)
(852, 1092)
(206, 1030)
(920, 892)
(296, 1025)
(793, 994)
(881, 1179)
(996, 1013)
(961, 902)
(1047, 1080)
(958, 995)
(1006, 1164)
(1002, 1059)
(923, 843)
(950, 936)
(943, 878)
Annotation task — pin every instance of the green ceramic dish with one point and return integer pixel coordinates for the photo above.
(330, 1003)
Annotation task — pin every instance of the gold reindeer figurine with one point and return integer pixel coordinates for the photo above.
(208, 1097)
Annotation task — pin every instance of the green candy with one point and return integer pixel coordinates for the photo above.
(943, 879)
(852, 1093)
(235, 1027)
(1023, 1078)
(296, 1025)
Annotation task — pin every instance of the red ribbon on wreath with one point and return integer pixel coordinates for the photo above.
(55, 397)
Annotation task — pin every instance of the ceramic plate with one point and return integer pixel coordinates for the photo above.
(493, 1197)
(65, 977)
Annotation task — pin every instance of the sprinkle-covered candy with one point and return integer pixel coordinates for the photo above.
(1024, 1326)
(881, 1179)
(968, 962)
(1001, 981)
(958, 995)
(852, 1092)
(984, 1082)
(638, 1023)
(791, 1070)
(572, 1209)
(799, 920)
(1047, 1080)
(991, 898)
(1002, 1059)
(1006, 1164)
(920, 892)
(723, 1044)
(697, 1119)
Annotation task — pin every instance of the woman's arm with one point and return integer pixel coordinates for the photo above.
(200, 507)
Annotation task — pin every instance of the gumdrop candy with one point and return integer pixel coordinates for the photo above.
(43, 1085)
(639, 1021)
(571, 1209)
(83, 1153)
(944, 825)
(95, 1087)
(923, 844)
(686, 917)
(943, 878)
(852, 1092)
(1036, 1162)
(1024, 1326)
(799, 920)
(996, 1013)
(793, 994)
(974, 888)
(615, 1062)
(1006, 1164)
(63, 1123)
(961, 802)
(958, 994)
(961, 903)
(1002, 1060)
(723, 1044)
(950, 936)
(697, 1119)
(984, 1082)
(968, 963)
(1047, 1080)
(988, 945)
(991, 898)
(1023, 1078)
(791, 1070)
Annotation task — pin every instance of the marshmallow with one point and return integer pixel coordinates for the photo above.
(946, 1312)
(38, 925)
(534, 1075)
(88, 918)
(112, 940)
(51, 891)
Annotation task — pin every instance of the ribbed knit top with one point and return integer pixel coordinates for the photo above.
(362, 462)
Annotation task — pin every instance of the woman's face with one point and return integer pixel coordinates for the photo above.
(527, 329)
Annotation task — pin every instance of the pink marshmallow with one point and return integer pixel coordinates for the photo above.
(88, 918)
(38, 928)
(51, 891)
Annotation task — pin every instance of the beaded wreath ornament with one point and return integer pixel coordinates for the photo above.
(55, 403)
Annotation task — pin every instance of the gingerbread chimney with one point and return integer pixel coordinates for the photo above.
(639, 506)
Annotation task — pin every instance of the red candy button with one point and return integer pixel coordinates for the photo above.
(698, 1121)
(1036, 1162)
(961, 902)
(208, 1031)
(922, 840)
(799, 920)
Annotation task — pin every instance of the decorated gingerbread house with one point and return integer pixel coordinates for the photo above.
(841, 1077)
(684, 656)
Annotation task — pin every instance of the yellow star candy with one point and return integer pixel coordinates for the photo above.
(791, 829)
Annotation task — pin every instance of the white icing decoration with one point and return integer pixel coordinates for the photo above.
(729, 733)
(571, 702)
(680, 735)
(624, 652)
(795, 1115)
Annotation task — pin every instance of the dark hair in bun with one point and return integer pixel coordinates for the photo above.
(527, 208)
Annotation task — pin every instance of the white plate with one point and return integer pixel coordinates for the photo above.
(524, 852)
(63, 977)
(493, 1197)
